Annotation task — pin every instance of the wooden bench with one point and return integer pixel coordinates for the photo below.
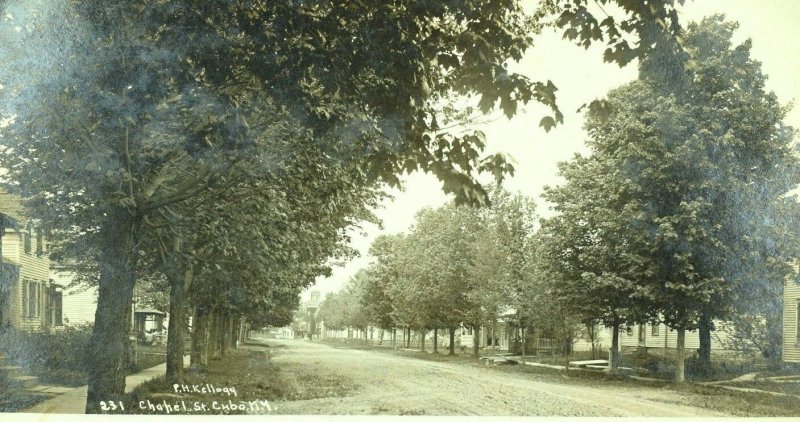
(599, 367)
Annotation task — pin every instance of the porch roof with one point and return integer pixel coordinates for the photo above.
(149, 311)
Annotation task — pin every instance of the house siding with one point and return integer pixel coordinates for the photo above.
(791, 299)
(33, 269)
(668, 338)
(79, 303)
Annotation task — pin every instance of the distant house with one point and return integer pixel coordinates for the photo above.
(499, 335)
(28, 300)
(79, 303)
(312, 307)
(659, 336)
(791, 321)
(284, 333)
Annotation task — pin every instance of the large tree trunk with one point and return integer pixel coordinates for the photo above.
(422, 339)
(522, 338)
(178, 303)
(109, 342)
(200, 333)
(680, 356)
(452, 340)
(613, 353)
(435, 340)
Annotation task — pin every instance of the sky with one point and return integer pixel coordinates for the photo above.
(581, 76)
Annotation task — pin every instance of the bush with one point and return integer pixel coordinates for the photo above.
(720, 368)
(62, 353)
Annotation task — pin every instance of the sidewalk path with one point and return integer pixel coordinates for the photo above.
(73, 401)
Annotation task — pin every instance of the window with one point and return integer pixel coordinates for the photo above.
(26, 242)
(655, 329)
(642, 332)
(629, 330)
(58, 306)
(33, 289)
(29, 290)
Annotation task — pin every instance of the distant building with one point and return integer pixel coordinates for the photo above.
(284, 333)
(791, 321)
(312, 311)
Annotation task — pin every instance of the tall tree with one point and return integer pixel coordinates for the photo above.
(706, 168)
(590, 251)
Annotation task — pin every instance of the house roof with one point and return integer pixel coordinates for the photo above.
(11, 205)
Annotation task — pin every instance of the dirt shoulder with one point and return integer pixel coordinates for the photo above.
(393, 384)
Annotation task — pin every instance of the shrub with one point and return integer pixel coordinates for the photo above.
(62, 351)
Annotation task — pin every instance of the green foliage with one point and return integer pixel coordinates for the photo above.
(58, 356)
(681, 210)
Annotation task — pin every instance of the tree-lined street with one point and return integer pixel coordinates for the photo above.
(214, 159)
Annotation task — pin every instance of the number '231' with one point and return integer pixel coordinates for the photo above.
(111, 405)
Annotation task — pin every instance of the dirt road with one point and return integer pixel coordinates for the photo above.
(389, 384)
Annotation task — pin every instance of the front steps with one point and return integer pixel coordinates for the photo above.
(15, 377)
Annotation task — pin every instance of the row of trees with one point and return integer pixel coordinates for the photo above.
(224, 146)
(458, 265)
(680, 215)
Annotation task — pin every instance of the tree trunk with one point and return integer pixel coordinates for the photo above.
(435, 340)
(5, 286)
(476, 340)
(522, 336)
(613, 353)
(680, 355)
(177, 318)
(452, 340)
(214, 335)
(236, 328)
(200, 334)
(422, 339)
(704, 353)
(109, 342)
(225, 330)
(494, 336)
